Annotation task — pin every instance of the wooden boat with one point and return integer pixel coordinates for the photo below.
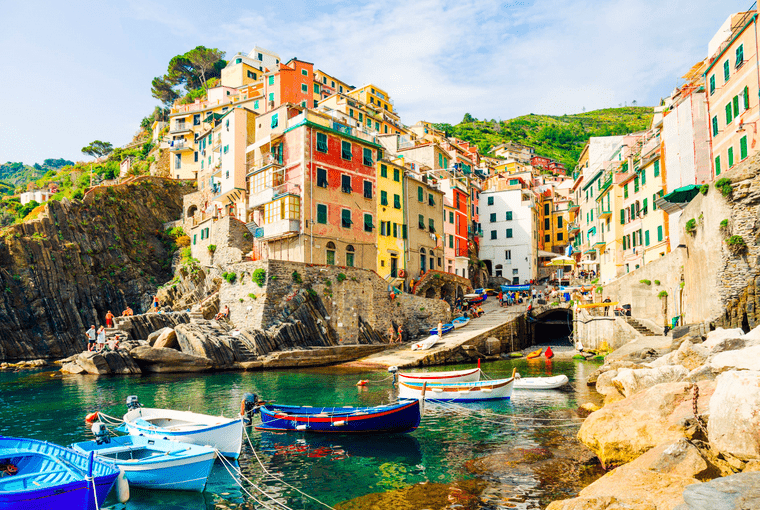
(46, 476)
(475, 299)
(152, 463)
(540, 383)
(460, 391)
(535, 354)
(224, 434)
(447, 328)
(425, 344)
(460, 322)
(469, 375)
(549, 353)
(399, 418)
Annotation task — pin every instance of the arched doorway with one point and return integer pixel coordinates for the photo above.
(554, 327)
(330, 254)
(191, 211)
(349, 256)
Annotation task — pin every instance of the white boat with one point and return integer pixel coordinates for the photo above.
(540, 383)
(224, 434)
(469, 375)
(459, 392)
(425, 344)
(460, 322)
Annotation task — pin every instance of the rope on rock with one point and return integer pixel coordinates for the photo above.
(695, 404)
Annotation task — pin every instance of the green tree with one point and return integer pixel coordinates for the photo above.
(468, 118)
(163, 90)
(204, 61)
(98, 149)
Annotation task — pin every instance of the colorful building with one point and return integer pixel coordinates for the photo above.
(392, 227)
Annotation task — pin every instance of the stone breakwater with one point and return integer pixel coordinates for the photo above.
(678, 429)
(62, 272)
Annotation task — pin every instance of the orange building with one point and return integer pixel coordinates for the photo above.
(292, 82)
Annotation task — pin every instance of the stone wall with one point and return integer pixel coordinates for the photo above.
(593, 331)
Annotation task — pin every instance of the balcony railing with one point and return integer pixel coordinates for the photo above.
(280, 228)
(273, 193)
(181, 127)
(180, 145)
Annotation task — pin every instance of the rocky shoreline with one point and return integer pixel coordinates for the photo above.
(679, 425)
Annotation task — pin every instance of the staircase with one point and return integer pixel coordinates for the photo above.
(643, 330)
(242, 349)
(195, 316)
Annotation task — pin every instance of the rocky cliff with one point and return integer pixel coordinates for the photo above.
(64, 271)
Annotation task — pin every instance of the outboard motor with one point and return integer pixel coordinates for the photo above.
(249, 406)
(393, 371)
(100, 431)
(133, 403)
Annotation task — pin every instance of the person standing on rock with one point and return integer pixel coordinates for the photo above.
(109, 319)
(101, 338)
(91, 333)
(155, 304)
(400, 334)
(440, 329)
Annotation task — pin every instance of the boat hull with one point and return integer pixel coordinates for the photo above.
(541, 383)
(425, 344)
(395, 418)
(51, 476)
(224, 434)
(447, 328)
(155, 463)
(459, 392)
(534, 354)
(469, 375)
(460, 323)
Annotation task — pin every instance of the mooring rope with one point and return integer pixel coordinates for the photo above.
(695, 403)
(232, 475)
(569, 422)
(226, 462)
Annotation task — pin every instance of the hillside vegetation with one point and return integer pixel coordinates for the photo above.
(558, 137)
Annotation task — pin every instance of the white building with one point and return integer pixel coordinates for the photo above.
(38, 195)
(509, 244)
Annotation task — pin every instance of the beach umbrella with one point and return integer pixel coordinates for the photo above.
(561, 261)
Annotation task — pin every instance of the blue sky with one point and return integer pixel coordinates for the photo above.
(77, 71)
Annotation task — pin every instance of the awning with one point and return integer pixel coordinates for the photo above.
(682, 195)
(546, 254)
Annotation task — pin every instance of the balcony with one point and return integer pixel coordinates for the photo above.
(181, 145)
(181, 127)
(280, 229)
(573, 207)
(573, 227)
(606, 184)
(603, 212)
(599, 245)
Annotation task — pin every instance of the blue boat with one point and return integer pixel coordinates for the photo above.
(153, 463)
(398, 418)
(446, 328)
(37, 475)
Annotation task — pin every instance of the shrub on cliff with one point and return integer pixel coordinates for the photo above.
(183, 241)
(259, 277)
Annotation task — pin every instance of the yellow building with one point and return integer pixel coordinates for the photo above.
(391, 227)
(326, 85)
(379, 102)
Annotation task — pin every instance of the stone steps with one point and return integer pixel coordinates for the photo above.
(643, 330)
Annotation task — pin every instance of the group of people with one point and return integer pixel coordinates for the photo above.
(392, 338)
(96, 340)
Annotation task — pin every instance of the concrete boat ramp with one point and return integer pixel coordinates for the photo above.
(460, 345)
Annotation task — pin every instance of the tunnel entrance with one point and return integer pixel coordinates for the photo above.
(554, 327)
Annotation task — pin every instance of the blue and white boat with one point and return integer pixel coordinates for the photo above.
(459, 391)
(460, 322)
(152, 463)
(37, 475)
(446, 328)
(224, 434)
(398, 418)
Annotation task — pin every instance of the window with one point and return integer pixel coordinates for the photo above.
(490, 200)
(420, 194)
(431, 224)
(729, 116)
(178, 161)
(260, 57)
(736, 106)
(403, 231)
(195, 157)
(397, 175)
(271, 97)
(316, 103)
(322, 142)
(321, 177)
(345, 183)
(350, 113)
(322, 214)
(271, 80)
(742, 147)
(654, 204)
(643, 177)
(509, 233)
(383, 197)
(559, 221)
(252, 75)
(196, 120)
(368, 226)
(367, 189)
(238, 60)
(657, 168)
(739, 56)
(622, 216)
(717, 165)
(508, 254)
(451, 241)
(431, 199)
(547, 224)
(646, 238)
(345, 218)
(745, 96)
(345, 150)
(395, 230)
(383, 171)
(367, 157)
(546, 208)
(421, 222)
(397, 201)
(493, 234)
(256, 105)
(509, 215)
(726, 71)
(712, 84)
(383, 228)
(492, 217)
(625, 191)
(730, 157)
(559, 236)
(274, 120)
(195, 238)
(451, 217)
(350, 256)
(636, 184)
(547, 238)
(330, 254)
(625, 244)
(659, 233)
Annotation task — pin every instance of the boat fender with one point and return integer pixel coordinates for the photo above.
(122, 487)
(91, 417)
(363, 382)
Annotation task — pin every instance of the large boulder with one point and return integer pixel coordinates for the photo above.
(735, 415)
(629, 381)
(156, 334)
(654, 481)
(168, 360)
(622, 431)
(719, 335)
(72, 368)
(688, 354)
(109, 362)
(167, 340)
(736, 492)
(742, 359)
(207, 339)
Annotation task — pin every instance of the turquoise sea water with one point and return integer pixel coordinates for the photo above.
(334, 469)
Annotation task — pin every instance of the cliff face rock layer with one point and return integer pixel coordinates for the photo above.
(62, 272)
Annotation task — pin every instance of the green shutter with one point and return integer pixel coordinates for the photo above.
(729, 117)
(736, 106)
(726, 71)
(712, 84)
(643, 176)
(622, 216)
(659, 233)
(746, 98)
(646, 238)
(644, 206)
(625, 191)
(657, 167)
(654, 204)
(717, 165)
(743, 147)
(397, 201)
(715, 125)
(420, 195)
(383, 171)
(383, 197)
(730, 157)
(739, 55)
(322, 214)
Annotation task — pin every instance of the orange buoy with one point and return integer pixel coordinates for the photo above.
(363, 382)
(549, 353)
(91, 417)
